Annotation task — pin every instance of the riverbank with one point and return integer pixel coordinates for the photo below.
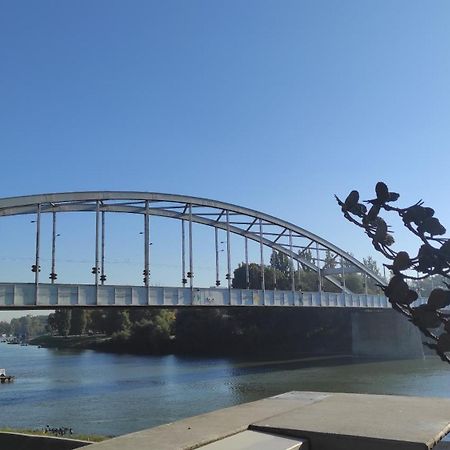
(75, 437)
(71, 342)
(100, 342)
(108, 344)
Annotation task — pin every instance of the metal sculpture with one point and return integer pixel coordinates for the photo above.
(433, 258)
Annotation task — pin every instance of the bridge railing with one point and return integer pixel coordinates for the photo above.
(25, 295)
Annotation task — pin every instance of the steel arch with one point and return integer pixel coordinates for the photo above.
(275, 233)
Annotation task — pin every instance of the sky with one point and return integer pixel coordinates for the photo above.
(273, 105)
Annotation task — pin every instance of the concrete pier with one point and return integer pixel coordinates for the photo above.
(384, 333)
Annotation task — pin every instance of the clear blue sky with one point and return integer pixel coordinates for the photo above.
(275, 105)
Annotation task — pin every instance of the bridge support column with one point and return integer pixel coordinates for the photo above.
(384, 333)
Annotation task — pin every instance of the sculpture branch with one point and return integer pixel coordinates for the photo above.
(430, 318)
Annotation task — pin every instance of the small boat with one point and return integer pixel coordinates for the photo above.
(5, 378)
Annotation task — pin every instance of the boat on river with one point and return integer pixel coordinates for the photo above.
(5, 378)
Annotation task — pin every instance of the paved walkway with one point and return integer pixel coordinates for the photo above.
(329, 421)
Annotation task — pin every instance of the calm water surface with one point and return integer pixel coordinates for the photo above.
(110, 394)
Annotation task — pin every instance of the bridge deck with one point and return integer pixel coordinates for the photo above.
(26, 296)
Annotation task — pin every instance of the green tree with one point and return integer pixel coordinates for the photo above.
(62, 318)
(139, 314)
(281, 262)
(153, 335)
(78, 321)
(274, 278)
(117, 320)
(97, 320)
(329, 261)
(239, 276)
(307, 256)
(307, 280)
(28, 326)
(372, 265)
(355, 283)
(5, 328)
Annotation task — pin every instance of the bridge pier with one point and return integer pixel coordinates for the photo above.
(384, 333)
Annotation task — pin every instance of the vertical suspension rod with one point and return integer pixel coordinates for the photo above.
(53, 273)
(146, 246)
(319, 272)
(274, 274)
(191, 259)
(97, 223)
(247, 272)
(102, 270)
(291, 263)
(37, 256)
(261, 250)
(228, 251)
(183, 254)
(216, 240)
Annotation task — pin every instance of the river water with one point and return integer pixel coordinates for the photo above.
(110, 394)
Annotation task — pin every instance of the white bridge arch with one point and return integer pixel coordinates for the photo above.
(263, 228)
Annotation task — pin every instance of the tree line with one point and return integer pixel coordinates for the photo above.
(280, 272)
(25, 327)
(138, 329)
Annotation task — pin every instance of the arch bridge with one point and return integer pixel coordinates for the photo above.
(328, 261)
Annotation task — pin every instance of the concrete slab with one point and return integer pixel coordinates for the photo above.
(201, 430)
(329, 421)
(369, 422)
(254, 440)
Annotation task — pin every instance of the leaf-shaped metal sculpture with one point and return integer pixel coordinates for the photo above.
(433, 258)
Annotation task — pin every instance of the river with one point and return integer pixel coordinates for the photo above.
(110, 394)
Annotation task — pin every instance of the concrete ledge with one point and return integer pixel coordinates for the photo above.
(21, 441)
(201, 430)
(251, 440)
(369, 422)
(329, 421)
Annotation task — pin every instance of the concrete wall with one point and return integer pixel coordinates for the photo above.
(19, 441)
(384, 333)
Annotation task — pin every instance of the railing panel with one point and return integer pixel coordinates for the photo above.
(58, 295)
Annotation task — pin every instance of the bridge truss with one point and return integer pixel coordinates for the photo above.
(295, 242)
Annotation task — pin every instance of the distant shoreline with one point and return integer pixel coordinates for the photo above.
(105, 343)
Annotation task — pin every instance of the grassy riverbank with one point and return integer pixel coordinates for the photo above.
(80, 437)
(75, 342)
(100, 342)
